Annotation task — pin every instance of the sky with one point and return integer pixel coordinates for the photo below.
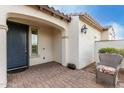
(103, 14)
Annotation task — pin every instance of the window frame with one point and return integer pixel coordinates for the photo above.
(32, 54)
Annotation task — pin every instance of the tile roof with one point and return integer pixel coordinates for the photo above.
(89, 20)
(84, 16)
(55, 13)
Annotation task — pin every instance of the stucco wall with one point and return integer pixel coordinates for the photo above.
(86, 44)
(81, 50)
(30, 12)
(45, 40)
(103, 44)
(50, 39)
(74, 41)
(57, 45)
(105, 35)
(3, 57)
(109, 34)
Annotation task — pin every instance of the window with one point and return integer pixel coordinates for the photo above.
(34, 43)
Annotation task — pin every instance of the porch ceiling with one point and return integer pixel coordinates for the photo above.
(34, 22)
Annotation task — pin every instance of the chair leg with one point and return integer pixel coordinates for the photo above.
(115, 80)
(97, 77)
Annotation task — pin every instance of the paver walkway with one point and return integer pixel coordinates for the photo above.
(54, 75)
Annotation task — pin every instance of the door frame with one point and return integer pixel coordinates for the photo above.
(27, 47)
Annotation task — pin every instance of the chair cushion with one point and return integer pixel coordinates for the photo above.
(106, 69)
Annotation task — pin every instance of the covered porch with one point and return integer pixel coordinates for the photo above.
(41, 43)
(51, 38)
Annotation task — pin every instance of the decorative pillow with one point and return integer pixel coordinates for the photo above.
(106, 69)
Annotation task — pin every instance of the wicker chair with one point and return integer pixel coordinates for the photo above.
(108, 67)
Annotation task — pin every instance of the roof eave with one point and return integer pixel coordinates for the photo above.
(91, 22)
(55, 13)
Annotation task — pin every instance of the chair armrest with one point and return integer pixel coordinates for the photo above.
(99, 63)
(117, 70)
(118, 67)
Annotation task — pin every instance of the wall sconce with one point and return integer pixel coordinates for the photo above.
(84, 29)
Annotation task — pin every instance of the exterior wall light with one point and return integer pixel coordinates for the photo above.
(84, 29)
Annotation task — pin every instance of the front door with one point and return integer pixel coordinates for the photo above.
(17, 46)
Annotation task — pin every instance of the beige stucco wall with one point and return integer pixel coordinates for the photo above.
(81, 50)
(105, 35)
(9, 10)
(57, 45)
(74, 41)
(3, 58)
(108, 34)
(86, 44)
(51, 41)
(103, 44)
(45, 40)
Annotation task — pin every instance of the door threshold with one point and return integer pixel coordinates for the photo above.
(16, 70)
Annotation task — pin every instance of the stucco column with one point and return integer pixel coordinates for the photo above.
(65, 48)
(3, 56)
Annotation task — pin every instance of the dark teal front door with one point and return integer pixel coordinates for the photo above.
(17, 45)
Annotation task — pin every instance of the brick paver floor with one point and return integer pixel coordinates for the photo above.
(54, 75)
